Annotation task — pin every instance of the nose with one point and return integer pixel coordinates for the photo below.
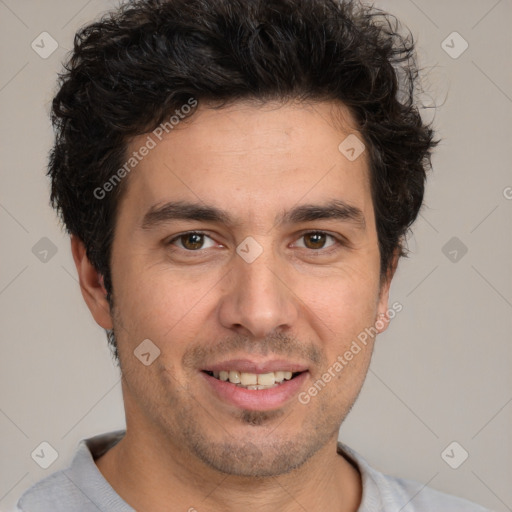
(259, 298)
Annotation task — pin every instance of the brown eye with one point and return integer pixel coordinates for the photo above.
(316, 240)
(192, 241)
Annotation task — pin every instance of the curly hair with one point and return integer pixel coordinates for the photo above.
(133, 67)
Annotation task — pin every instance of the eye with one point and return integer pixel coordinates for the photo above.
(316, 240)
(191, 241)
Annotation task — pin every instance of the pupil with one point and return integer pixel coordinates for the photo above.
(195, 245)
(318, 242)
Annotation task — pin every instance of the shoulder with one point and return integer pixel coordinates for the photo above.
(414, 496)
(80, 486)
(56, 492)
(386, 493)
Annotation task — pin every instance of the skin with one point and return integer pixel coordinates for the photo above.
(296, 301)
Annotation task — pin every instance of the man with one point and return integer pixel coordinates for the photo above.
(237, 178)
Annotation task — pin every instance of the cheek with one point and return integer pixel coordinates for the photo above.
(343, 301)
(162, 305)
(342, 311)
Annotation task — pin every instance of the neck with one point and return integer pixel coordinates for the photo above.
(151, 478)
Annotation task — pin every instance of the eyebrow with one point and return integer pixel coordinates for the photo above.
(335, 209)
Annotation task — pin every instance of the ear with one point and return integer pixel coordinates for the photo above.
(382, 320)
(91, 284)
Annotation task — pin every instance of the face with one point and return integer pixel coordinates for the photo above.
(260, 284)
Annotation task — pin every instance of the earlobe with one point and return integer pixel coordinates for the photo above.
(382, 320)
(91, 285)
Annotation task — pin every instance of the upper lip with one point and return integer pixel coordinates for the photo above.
(248, 366)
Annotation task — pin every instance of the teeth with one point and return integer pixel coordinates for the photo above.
(261, 387)
(234, 377)
(279, 376)
(267, 379)
(253, 380)
(248, 379)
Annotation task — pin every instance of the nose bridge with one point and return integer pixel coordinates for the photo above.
(258, 298)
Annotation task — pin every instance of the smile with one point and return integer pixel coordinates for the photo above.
(254, 381)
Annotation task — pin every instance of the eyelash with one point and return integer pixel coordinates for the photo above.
(338, 245)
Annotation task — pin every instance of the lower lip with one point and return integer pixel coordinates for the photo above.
(256, 399)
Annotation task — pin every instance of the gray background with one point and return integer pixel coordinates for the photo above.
(441, 373)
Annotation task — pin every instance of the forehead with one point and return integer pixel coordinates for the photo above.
(252, 159)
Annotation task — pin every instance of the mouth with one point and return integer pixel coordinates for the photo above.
(254, 391)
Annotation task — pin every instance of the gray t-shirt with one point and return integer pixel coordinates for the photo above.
(81, 487)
